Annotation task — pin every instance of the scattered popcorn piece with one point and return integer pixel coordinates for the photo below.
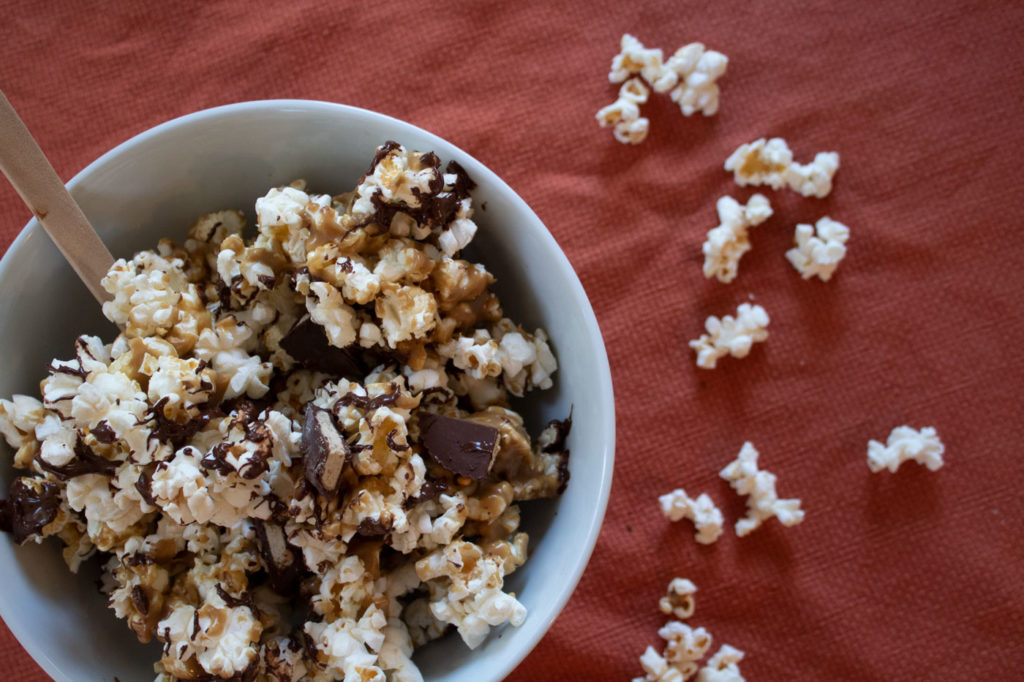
(770, 162)
(731, 336)
(706, 517)
(684, 645)
(819, 254)
(758, 485)
(624, 113)
(723, 666)
(905, 443)
(678, 600)
(815, 178)
(634, 58)
(690, 74)
(657, 668)
(727, 243)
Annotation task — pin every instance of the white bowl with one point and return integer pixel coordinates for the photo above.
(155, 185)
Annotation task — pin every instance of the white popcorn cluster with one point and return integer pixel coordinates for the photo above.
(905, 443)
(685, 645)
(731, 335)
(289, 409)
(726, 243)
(770, 162)
(758, 485)
(624, 113)
(818, 249)
(706, 517)
(689, 76)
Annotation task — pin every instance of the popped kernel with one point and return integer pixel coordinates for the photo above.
(819, 248)
(706, 517)
(723, 666)
(904, 444)
(770, 162)
(731, 335)
(758, 486)
(678, 600)
(726, 243)
(624, 113)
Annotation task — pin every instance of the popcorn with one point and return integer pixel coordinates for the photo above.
(727, 243)
(731, 336)
(684, 645)
(758, 486)
(813, 179)
(770, 162)
(634, 58)
(695, 70)
(706, 517)
(904, 443)
(679, 599)
(723, 666)
(624, 113)
(818, 254)
(689, 74)
(263, 412)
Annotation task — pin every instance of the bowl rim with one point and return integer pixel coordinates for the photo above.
(604, 460)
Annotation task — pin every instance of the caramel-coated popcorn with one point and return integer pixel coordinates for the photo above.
(297, 460)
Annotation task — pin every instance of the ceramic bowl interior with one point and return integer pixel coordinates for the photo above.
(154, 186)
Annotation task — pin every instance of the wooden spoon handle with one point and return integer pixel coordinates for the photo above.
(35, 180)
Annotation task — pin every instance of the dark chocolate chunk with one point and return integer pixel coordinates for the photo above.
(461, 446)
(307, 343)
(85, 461)
(27, 510)
(282, 561)
(324, 451)
(431, 488)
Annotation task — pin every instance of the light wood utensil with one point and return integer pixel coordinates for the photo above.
(35, 180)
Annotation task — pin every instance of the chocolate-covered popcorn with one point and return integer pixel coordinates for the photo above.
(297, 460)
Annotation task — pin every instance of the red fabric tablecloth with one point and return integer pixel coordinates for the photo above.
(897, 577)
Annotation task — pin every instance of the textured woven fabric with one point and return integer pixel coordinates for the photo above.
(906, 576)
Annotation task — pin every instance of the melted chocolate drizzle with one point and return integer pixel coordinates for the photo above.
(363, 402)
(169, 431)
(27, 511)
(86, 461)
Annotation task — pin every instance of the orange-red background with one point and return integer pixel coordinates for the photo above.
(897, 577)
